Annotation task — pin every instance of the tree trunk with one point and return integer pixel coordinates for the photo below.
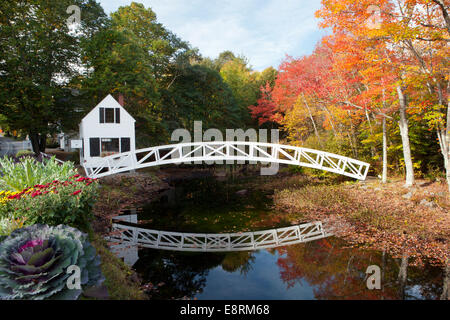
(384, 176)
(373, 150)
(443, 133)
(38, 142)
(351, 145)
(331, 120)
(312, 120)
(446, 286)
(445, 13)
(383, 266)
(447, 137)
(353, 136)
(385, 162)
(402, 275)
(404, 132)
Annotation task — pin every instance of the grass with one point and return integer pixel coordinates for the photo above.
(118, 275)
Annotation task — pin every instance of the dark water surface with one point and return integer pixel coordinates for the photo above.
(321, 269)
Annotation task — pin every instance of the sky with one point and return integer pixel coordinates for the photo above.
(264, 31)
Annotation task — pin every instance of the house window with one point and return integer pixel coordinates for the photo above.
(109, 115)
(109, 146)
(94, 147)
(103, 147)
(124, 144)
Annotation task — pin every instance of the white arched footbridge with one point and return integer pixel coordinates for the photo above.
(226, 151)
(123, 236)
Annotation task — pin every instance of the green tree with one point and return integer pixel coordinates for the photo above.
(165, 50)
(119, 64)
(38, 56)
(244, 85)
(137, 57)
(200, 93)
(268, 75)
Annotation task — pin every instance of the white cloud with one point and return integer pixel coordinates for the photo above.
(263, 31)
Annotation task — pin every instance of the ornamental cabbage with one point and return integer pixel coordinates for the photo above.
(34, 263)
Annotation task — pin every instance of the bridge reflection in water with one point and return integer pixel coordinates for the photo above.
(126, 239)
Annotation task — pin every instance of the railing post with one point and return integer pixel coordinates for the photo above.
(133, 159)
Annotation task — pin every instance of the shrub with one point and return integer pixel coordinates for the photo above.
(22, 153)
(34, 262)
(67, 202)
(8, 225)
(29, 172)
(75, 157)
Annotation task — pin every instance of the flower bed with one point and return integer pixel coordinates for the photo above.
(67, 202)
(18, 174)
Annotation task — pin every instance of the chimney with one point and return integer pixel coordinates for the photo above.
(121, 100)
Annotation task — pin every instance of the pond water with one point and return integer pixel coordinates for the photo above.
(321, 269)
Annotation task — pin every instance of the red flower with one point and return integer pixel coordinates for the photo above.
(76, 192)
(34, 194)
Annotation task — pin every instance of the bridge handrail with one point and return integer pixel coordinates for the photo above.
(277, 150)
(261, 144)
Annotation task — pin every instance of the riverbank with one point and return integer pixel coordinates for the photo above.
(414, 222)
(124, 191)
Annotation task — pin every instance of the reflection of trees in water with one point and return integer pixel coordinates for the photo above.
(205, 192)
(238, 261)
(446, 285)
(204, 206)
(339, 273)
(403, 276)
(184, 274)
(428, 280)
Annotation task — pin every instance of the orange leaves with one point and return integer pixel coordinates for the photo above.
(265, 109)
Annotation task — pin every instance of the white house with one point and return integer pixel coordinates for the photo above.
(107, 129)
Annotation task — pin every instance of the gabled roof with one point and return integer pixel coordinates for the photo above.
(108, 102)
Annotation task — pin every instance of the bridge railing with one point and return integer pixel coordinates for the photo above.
(228, 151)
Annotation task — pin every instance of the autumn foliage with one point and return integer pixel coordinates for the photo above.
(384, 61)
